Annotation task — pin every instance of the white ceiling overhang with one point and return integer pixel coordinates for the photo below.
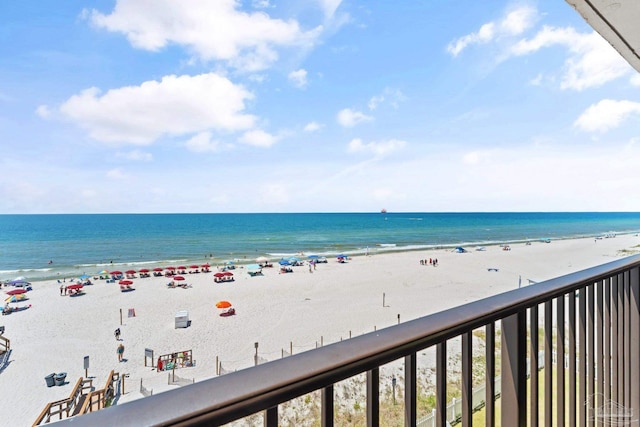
(618, 21)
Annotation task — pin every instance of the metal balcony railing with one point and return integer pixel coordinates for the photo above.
(590, 319)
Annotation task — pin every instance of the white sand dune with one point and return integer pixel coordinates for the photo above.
(299, 309)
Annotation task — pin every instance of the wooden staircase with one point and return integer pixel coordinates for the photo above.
(82, 400)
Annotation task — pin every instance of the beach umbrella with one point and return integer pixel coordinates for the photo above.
(194, 266)
(103, 272)
(144, 270)
(223, 304)
(227, 273)
(75, 286)
(181, 267)
(313, 257)
(284, 262)
(130, 272)
(15, 298)
(84, 277)
(16, 291)
(124, 282)
(205, 266)
(116, 272)
(170, 268)
(19, 282)
(178, 278)
(158, 269)
(229, 262)
(262, 259)
(218, 274)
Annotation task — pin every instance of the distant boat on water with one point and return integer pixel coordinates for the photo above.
(383, 210)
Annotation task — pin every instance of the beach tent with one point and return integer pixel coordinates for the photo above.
(460, 250)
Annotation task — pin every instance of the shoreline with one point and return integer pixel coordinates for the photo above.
(69, 272)
(298, 311)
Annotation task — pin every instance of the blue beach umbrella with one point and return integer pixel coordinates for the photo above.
(313, 257)
(284, 262)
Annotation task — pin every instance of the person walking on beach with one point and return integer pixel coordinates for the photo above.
(117, 334)
(61, 289)
(120, 352)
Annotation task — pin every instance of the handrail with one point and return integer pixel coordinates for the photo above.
(46, 414)
(6, 343)
(230, 397)
(102, 395)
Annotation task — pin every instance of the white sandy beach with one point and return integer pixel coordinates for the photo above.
(275, 310)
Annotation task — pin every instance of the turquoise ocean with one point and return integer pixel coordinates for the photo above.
(88, 243)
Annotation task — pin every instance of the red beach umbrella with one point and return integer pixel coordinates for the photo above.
(181, 267)
(194, 266)
(158, 269)
(170, 268)
(223, 304)
(227, 273)
(16, 292)
(178, 278)
(130, 272)
(116, 272)
(76, 286)
(124, 282)
(218, 274)
(144, 270)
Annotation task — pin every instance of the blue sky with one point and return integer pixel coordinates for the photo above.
(314, 106)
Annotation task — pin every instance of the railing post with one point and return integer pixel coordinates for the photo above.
(441, 384)
(467, 378)
(514, 366)
(373, 397)
(271, 417)
(634, 350)
(410, 390)
(490, 384)
(327, 407)
(548, 362)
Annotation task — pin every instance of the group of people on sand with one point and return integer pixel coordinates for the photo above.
(431, 261)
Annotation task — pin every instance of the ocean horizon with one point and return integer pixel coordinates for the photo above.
(50, 246)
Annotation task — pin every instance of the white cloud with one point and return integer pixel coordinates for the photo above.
(202, 143)
(212, 30)
(298, 78)
(312, 127)
(137, 155)
(635, 80)
(375, 101)
(591, 63)
(379, 149)
(176, 105)
(261, 4)
(606, 114)
(391, 96)
(258, 138)
(117, 174)
(515, 22)
(43, 111)
(329, 7)
(350, 118)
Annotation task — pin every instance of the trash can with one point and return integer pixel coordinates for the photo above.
(49, 380)
(59, 378)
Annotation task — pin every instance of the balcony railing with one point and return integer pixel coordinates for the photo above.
(590, 319)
